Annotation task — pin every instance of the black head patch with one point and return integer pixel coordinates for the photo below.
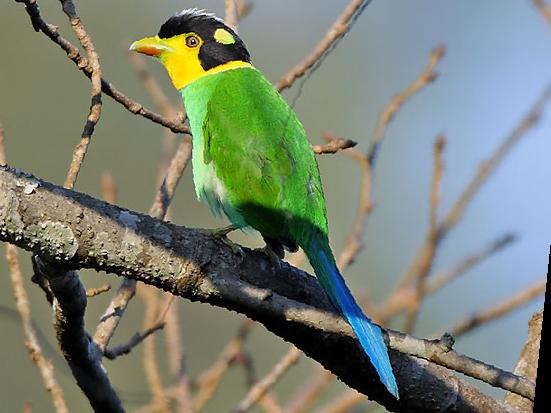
(212, 52)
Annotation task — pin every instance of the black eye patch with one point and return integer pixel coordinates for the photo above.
(212, 52)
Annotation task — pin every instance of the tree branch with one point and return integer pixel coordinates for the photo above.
(544, 9)
(496, 311)
(426, 254)
(261, 387)
(426, 77)
(339, 28)
(83, 232)
(51, 31)
(81, 353)
(207, 382)
(333, 145)
(44, 366)
(123, 349)
(94, 112)
(403, 299)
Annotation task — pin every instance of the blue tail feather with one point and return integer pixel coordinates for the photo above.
(368, 333)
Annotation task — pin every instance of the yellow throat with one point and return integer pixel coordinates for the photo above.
(181, 62)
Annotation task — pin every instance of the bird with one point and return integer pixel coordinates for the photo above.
(252, 160)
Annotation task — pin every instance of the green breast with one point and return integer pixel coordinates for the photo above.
(251, 157)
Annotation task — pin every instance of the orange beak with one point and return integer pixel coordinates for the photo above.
(151, 46)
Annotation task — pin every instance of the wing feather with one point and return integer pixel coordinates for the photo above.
(260, 152)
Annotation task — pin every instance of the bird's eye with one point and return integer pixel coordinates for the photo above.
(192, 41)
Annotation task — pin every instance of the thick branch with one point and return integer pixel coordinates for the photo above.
(83, 232)
(81, 353)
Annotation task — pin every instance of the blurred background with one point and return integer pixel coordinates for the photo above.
(497, 63)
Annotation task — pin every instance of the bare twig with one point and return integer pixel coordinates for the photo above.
(427, 76)
(94, 113)
(500, 309)
(44, 366)
(152, 86)
(336, 31)
(151, 301)
(420, 290)
(208, 381)
(307, 395)
(268, 401)
(442, 279)
(260, 388)
(2, 146)
(366, 161)
(92, 292)
(333, 145)
(487, 167)
(437, 172)
(114, 352)
(175, 170)
(244, 359)
(403, 299)
(354, 244)
(114, 312)
(51, 31)
(243, 8)
(108, 187)
(234, 11)
(427, 252)
(544, 9)
(177, 357)
(344, 402)
(230, 13)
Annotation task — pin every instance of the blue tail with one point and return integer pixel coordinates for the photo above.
(369, 334)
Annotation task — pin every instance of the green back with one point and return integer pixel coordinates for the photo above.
(247, 138)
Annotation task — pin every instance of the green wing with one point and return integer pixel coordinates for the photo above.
(260, 152)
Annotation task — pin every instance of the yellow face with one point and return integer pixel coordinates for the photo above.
(180, 56)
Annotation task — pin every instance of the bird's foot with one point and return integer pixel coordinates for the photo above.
(221, 234)
(273, 256)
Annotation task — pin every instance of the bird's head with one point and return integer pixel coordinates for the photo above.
(192, 44)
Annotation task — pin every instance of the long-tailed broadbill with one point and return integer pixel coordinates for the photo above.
(252, 160)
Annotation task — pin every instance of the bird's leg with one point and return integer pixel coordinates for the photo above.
(221, 234)
(274, 251)
(274, 258)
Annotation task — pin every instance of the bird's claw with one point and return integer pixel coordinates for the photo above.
(272, 256)
(221, 234)
(235, 248)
